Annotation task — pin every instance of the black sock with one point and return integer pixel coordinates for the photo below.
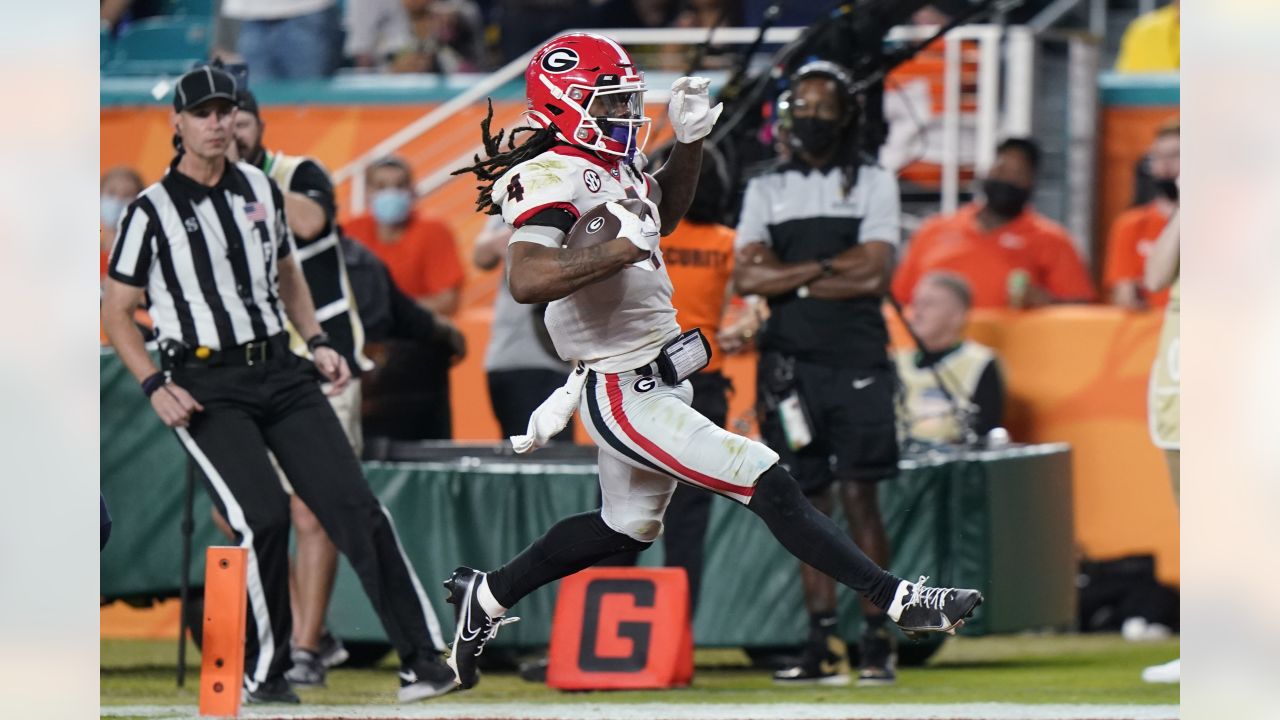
(874, 621)
(815, 539)
(822, 625)
(574, 543)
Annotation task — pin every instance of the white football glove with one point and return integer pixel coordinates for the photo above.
(644, 233)
(690, 111)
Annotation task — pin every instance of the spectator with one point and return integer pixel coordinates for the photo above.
(521, 364)
(377, 30)
(526, 23)
(1011, 255)
(118, 187)
(1151, 42)
(938, 314)
(407, 397)
(286, 39)
(704, 14)
(446, 36)
(418, 249)
(1135, 231)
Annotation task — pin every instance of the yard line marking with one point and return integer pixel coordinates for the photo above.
(673, 711)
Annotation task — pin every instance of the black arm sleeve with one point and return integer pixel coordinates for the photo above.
(989, 397)
(311, 180)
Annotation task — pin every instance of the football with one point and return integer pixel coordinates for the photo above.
(599, 225)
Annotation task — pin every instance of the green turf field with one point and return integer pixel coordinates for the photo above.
(1014, 669)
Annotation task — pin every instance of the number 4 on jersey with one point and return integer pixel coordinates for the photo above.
(515, 191)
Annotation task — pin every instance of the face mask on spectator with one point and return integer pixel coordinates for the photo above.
(815, 135)
(1168, 188)
(1005, 198)
(391, 207)
(111, 209)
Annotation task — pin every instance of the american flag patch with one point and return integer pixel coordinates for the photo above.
(255, 212)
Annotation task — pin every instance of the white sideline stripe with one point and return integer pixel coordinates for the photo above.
(428, 613)
(672, 711)
(257, 595)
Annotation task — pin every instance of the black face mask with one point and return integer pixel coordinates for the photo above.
(1167, 188)
(815, 135)
(1004, 198)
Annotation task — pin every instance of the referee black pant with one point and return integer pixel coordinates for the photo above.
(278, 405)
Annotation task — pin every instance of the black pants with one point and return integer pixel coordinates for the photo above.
(278, 406)
(515, 394)
(685, 522)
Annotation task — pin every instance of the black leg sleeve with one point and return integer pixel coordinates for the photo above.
(574, 543)
(815, 539)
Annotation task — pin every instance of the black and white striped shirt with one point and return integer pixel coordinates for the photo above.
(208, 256)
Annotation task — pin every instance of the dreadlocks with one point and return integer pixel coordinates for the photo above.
(487, 171)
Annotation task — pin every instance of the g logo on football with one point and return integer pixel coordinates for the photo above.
(560, 60)
(591, 180)
(644, 385)
(595, 225)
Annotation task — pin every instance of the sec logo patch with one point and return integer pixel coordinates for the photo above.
(591, 179)
(644, 385)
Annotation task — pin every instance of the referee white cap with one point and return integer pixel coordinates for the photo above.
(201, 85)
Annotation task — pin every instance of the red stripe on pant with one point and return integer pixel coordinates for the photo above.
(658, 454)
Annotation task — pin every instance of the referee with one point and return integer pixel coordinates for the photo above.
(210, 246)
(817, 238)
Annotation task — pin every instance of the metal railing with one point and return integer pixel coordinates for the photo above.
(991, 119)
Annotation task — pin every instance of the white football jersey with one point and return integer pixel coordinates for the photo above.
(619, 323)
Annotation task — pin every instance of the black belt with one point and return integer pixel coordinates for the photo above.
(256, 352)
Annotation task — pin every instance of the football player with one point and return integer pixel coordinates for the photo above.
(610, 313)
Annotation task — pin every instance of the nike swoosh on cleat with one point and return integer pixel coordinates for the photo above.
(409, 677)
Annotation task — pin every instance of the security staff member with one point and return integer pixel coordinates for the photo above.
(311, 210)
(816, 237)
(210, 246)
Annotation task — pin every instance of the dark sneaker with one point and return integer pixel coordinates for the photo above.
(922, 609)
(332, 652)
(307, 670)
(822, 663)
(474, 627)
(877, 658)
(424, 680)
(535, 670)
(274, 690)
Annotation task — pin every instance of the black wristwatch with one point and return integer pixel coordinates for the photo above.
(319, 340)
(828, 267)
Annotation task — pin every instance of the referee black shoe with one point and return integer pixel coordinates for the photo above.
(271, 691)
(425, 679)
(919, 609)
(474, 627)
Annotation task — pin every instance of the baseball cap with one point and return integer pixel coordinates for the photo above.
(247, 102)
(201, 85)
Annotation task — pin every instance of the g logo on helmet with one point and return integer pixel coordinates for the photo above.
(560, 60)
(595, 225)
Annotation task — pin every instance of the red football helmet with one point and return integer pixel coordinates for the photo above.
(589, 89)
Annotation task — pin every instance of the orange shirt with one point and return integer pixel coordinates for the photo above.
(1132, 236)
(699, 260)
(1029, 242)
(425, 259)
